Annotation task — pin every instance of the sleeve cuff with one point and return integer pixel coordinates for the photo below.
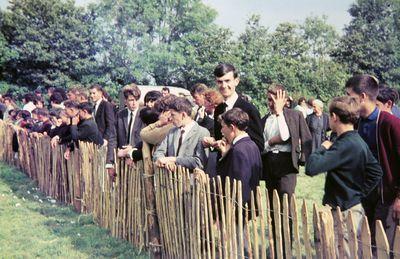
(108, 166)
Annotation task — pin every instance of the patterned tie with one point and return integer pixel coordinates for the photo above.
(180, 141)
(129, 129)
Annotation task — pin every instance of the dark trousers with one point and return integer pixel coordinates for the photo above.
(279, 174)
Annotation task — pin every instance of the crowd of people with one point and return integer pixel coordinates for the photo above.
(356, 139)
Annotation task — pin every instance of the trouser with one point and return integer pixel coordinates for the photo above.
(369, 204)
(384, 213)
(357, 212)
(280, 175)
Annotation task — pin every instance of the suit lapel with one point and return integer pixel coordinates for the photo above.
(125, 119)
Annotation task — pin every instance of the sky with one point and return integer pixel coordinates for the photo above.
(234, 13)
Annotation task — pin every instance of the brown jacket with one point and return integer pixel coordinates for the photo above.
(300, 136)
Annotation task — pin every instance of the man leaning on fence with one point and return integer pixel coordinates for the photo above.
(353, 171)
(182, 145)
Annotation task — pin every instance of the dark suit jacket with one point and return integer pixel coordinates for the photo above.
(325, 125)
(86, 130)
(254, 129)
(105, 120)
(300, 136)
(243, 163)
(207, 123)
(122, 128)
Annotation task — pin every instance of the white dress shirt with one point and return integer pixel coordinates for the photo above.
(276, 125)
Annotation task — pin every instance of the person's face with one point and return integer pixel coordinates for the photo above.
(177, 118)
(386, 107)
(316, 108)
(209, 106)
(95, 94)
(198, 99)
(131, 103)
(227, 84)
(332, 124)
(71, 112)
(270, 101)
(150, 103)
(227, 132)
(39, 104)
(71, 96)
(164, 93)
(64, 118)
(82, 114)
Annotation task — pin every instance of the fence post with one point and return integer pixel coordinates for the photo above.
(277, 220)
(366, 239)
(306, 235)
(295, 226)
(396, 246)
(382, 244)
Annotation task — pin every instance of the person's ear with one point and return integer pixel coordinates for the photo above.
(237, 80)
(389, 104)
(363, 97)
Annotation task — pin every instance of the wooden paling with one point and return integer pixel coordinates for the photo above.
(183, 214)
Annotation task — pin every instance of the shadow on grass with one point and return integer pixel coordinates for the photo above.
(80, 229)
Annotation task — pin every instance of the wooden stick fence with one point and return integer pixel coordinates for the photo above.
(183, 214)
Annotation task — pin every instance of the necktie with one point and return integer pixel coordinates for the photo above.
(180, 141)
(224, 107)
(129, 128)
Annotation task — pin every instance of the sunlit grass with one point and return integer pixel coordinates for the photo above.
(33, 225)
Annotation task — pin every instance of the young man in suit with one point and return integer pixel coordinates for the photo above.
(227, 79)
(129, 123)
(182, 145)
(381, 131)
(241, 159)
(287, 141)
(105, 119)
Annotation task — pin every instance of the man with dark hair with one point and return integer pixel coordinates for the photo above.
(129, 123)
(381, 131)
(197, 92)
(348, 180)
(227, 80)
(165, 91)
(28, 102)
(73, 93)
(182, 145)
(56, 101)
(241, 158)
(151, 97)
(105, 119)
(386, 100)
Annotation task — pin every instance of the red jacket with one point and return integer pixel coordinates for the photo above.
(388, 142)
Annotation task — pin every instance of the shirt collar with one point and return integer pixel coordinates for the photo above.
(239, 138)
(374, 115)
(188, 127)
(98, 102)
(230, 101)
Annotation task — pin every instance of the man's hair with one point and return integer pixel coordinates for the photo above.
(56, 98)
(364, 84)
(24, 114)
(346, 108)
(301, 99)
(319, 103)
(213, 96)
(273, 88)
(75, 90)
(163, 104)
(37, 99)
(60, 91)
(165, 89)
(224, 68)
(97, 87)
(82, 95)
(42, 112)
(86, 106)
(148, 115)
(237, 117)
(181, 104)
(132, 89)
(152, 96)
(29, 97)
(386, 94)
(71, 104)
(198, 88)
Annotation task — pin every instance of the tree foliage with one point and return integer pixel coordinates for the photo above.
(371, 43)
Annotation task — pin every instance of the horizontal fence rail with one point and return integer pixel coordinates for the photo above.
(184, 214)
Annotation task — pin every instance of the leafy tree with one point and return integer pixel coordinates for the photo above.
(52, 41)
(371, 43)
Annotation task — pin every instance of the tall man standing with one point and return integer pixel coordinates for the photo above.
(227, 79)
(105, 120)
(381, 131)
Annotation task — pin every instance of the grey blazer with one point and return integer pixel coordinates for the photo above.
(192, 154)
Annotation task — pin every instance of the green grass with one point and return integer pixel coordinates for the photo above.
(33, 225)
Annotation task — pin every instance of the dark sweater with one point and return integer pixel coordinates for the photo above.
(352, 170)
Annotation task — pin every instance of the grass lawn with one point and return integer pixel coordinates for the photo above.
(33, 225)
